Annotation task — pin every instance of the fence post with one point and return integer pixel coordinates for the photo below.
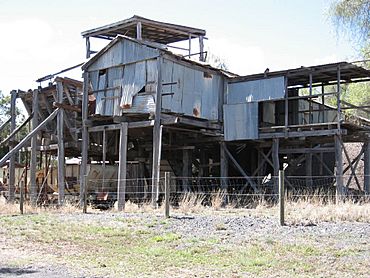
(281, 197)
(22, 196)
(167, 179)
(85, 195)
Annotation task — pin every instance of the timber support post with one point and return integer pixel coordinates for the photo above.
(85, 137)
(122, 167)
(21, 200)
(367, 167)
(281, 198)
(157, 136)
(61, 154)
(186, 168)
(167, 183)
(224, 165)
(11, 182)
(339, 168)
(276, 163)
(33, 162)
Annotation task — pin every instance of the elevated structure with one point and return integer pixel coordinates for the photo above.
(142, 110)
(145, 29)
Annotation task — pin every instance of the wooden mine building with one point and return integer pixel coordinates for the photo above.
(142, 110)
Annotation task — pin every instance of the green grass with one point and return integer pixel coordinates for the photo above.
(143, 250)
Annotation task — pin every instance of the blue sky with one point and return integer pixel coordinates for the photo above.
(41, 37)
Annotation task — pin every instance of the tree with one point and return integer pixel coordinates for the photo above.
(4, 107)
(353, 16)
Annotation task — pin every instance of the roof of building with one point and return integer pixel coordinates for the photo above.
(203, 65)
(152, 30)
(325, 74)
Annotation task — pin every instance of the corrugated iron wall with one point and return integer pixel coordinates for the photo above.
(191, 92)
(256, 90)
(241, 121)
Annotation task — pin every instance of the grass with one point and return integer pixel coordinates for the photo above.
(140, 250)
(136, 247)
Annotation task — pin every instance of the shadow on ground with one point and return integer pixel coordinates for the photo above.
(15, 271)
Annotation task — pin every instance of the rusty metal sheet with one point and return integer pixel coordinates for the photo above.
(141, 104)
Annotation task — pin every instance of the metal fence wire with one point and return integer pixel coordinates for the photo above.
(242, 192)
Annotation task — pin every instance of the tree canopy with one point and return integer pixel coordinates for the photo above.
(353, 16)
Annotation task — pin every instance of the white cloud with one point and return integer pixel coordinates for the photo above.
(240, 59)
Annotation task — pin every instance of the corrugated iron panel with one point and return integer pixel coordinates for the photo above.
(192, 92)
(177, 89)
(123, 52)
(151, 71)
(256, 90)
(167, 74)
(113, 97)
(212, 88)
(142, 103)
(188, 92)
(100, 95)
(241, 121)
(94, 79)
(134, 79)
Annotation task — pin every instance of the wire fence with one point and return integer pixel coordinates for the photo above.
(240, 191)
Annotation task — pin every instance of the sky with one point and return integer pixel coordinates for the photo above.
(41, 37)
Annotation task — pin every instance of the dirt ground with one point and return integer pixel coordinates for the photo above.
(208, 244)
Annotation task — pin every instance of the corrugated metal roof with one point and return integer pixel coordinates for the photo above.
(154, 46)
(152, 30)
(320, 73)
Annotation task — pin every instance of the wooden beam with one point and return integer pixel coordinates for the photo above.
(60, 134)
(224, 166)
(26, 139)
(339, 91)
(138, 31)
(33, 162)
(13, 115)
(306, 150)
(201, 49)
(339, 168)
(286, 102)
(85, 138)
(308, 169)
(352, 106)
(261, 161)
(367, 167)
(240, 168)
(12, 134)
(121, 186)
(186, 168)
(323, 163)
(104, 155)
(353, 169)
(109, 127)
(306, 133)
(68, 107)
(88, 52)
(276, 162)
(157, 136)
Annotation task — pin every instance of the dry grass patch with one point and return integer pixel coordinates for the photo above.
(316, 212)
